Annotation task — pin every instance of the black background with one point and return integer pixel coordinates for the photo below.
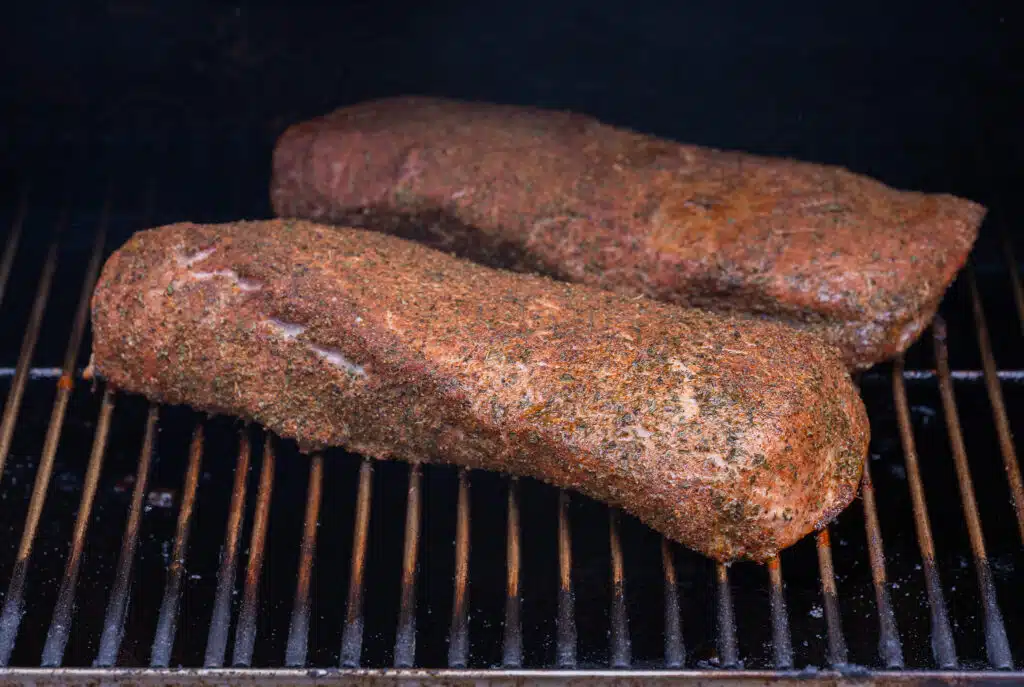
(921, 95)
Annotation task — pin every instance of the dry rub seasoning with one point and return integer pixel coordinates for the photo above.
(734, 437)
(858, 262)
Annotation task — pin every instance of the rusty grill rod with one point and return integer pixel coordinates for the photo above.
(298, 629)
(889, 646)
(220, 620)
(995, 394)
(942, 636)
(565, 622)
(834, 621)
(458, 637)
(728, 648)
(163, 639)
(60, 624)
(782, 644)
(11, 248)
(28, 346)
(996, 644)
(352, 635)
(675, 652)
(621, 651)
(117, 608)
(512, 641)
(14, 600)
(245, 633)
(405, 638)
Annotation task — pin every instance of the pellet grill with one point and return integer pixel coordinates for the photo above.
(155, 546)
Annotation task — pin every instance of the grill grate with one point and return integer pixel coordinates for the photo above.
(708, 649)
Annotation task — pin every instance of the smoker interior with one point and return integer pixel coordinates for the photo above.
(76, 187)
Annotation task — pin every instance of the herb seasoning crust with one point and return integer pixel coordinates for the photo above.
(862, 264)
(734, 437)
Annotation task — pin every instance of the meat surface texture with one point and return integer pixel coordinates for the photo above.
(863, 264)
(734, 437)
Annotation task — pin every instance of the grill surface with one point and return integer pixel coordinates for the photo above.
(140, 539)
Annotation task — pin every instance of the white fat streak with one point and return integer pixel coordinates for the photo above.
(334, 357)
(189, 260)
(185, 260)
(289, 331)
(241, 282)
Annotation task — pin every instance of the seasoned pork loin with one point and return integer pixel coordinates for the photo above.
(734, 437)
(862, 264)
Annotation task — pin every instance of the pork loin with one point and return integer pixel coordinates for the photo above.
(733, 437)
(862, 264)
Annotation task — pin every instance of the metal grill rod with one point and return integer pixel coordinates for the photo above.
(220, 621)
(405, 639)
(60, 624)
(942, 636)
(565, 623)
(28, 346)
(782, 644)
(728, 648)
(621, 650)
(117, 608)
(36, 372)
(298, 629)
(245, 633)
(1018, 289)
(889, 646)
(163, 640)
(293, 677)
(675, 652)
(7, 261)
(352, 636)
(458, 638)
(836, 641)
(14, 600)
(996, 644)
(1005, 376)
(512, 642)
(995, 394)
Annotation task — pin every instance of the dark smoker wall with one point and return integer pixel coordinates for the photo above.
(923, 95)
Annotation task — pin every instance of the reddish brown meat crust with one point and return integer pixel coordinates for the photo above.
(861, 263)
(734, 437)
